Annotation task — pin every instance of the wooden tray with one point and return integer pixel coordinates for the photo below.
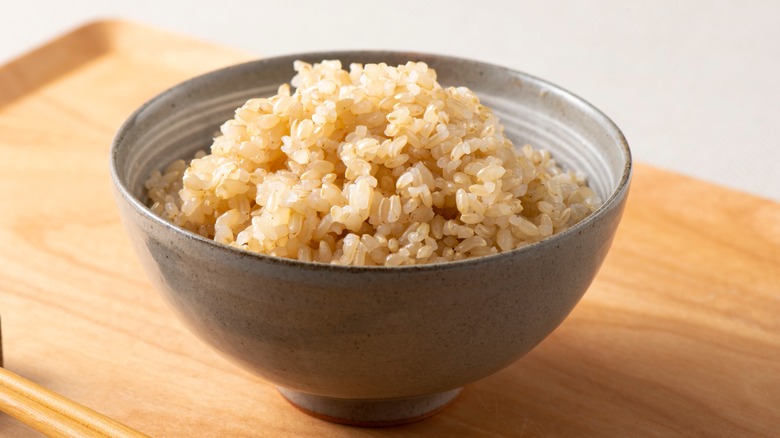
(678, 336)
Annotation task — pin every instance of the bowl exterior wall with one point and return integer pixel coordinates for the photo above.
(355, 333)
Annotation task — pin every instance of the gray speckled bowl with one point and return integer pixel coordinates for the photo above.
(371, 345)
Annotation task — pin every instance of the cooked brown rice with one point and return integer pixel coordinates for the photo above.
(377, 165)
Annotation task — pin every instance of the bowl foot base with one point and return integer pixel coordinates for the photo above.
(370, 413)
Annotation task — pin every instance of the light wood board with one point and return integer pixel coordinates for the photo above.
(678, 336)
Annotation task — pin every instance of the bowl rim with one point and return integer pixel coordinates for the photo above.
(570, 98)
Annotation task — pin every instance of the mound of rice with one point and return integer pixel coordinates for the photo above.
(377, 165)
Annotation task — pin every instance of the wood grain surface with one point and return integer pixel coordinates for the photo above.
(678, 336)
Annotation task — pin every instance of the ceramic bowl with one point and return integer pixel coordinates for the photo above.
(371, 345)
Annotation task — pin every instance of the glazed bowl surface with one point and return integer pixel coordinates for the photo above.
(371, 345)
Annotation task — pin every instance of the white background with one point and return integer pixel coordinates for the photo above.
(694, 85)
